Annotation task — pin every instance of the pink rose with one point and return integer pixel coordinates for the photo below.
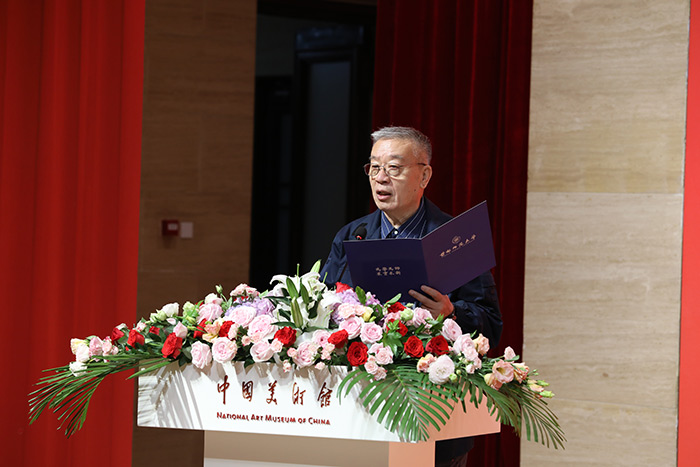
(327, 350)
(441, 369)
(201, 355)
(321, 337)
(462, 342)
(306, 354)
(482, 344)
(245, 291)
(95, 347)
(352, 326)
(262, 328)
(320, 366)
(473, 365)
(276, 345)
(223, 350)
(108, 348)
(380, 374)
(503, 371)
(451, 330)
(420, 315)
(370, 333)
(286, 366)
(509, 353)
(371, 366)
(261, 351)
(383, 354)
(470, 354)
(242, 315)
(180, 330)
(348, 310)
(209, 312)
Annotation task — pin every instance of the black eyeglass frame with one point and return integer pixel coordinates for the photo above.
(396, 170)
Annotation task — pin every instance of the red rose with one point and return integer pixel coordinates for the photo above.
(339, 338)
(340, 287)
(116, 334)
(172, 346)
(225, 328)
(414, 347)
(287, 336)
(200, 329)
(396, 307)
(154, 330)
(357, 354)
(438, 346)
(135, 337)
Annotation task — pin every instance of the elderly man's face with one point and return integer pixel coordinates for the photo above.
(399, 197)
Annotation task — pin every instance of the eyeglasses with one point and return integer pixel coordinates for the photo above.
(392, 170)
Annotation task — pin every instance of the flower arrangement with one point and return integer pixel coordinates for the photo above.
(415, 369)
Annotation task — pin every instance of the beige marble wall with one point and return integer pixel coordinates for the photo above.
(196, 167)
(603, 252)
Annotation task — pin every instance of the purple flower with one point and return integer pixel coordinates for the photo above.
(263, 306)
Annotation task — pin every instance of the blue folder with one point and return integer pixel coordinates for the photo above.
(445, 259)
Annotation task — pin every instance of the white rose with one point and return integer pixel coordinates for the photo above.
(77, 368)
(171, 309)
(440, 371)
(82, 353)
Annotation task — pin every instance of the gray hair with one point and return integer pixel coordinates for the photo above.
(421, 143)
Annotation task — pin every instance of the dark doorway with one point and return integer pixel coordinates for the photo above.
(314, 69)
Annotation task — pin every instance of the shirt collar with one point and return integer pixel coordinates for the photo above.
(412, 228)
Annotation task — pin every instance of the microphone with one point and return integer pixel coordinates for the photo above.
(359, 233)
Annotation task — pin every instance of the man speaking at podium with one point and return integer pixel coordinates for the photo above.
(399, 171)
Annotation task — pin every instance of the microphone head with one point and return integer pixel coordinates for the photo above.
(360, 232)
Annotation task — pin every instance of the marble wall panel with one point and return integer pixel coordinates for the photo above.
(603, 435)
(602, 295)
(608, 96)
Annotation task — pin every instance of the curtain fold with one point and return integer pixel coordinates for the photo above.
(459, 71)
(71, 79)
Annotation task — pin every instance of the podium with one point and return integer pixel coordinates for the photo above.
(263, 416)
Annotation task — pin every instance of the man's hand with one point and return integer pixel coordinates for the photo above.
(435, 302)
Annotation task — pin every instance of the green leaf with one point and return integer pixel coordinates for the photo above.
(361, 295)
(304, 294)
(296, 315)
(291, 289)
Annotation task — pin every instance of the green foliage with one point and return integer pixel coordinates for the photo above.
(407, 403)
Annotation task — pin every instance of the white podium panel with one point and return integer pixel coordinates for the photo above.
(292, 410)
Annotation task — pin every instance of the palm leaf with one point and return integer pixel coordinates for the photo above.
(405, 402)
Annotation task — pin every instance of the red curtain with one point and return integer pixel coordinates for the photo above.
(71, 79)
(459, 71)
